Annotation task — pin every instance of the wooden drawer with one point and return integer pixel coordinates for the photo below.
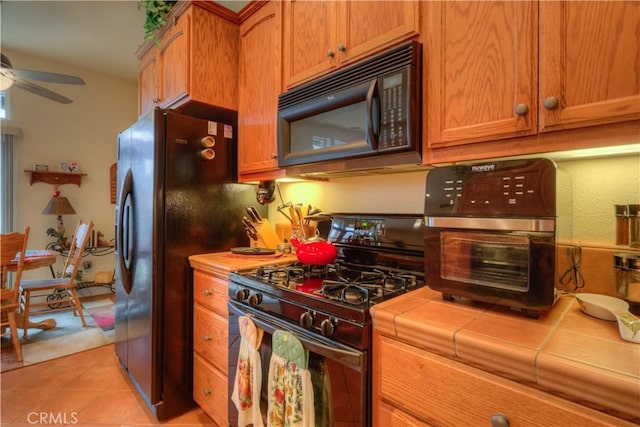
(210, 337)
(211, 292)
(440, 391)
(388, 416)
(210, 390)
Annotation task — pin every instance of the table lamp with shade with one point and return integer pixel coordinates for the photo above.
(58, 205)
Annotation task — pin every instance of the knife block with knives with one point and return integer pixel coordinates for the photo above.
(259, 230)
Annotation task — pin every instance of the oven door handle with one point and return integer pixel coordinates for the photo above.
(544, 225)
(351, 358)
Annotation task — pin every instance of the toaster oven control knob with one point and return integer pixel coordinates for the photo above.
(306, 319)
(242, 294)
(327, 327)
(255, 300)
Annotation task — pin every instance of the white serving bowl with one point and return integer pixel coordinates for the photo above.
(601, 306)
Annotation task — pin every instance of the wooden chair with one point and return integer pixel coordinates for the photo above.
(13, 247)
(63, 288)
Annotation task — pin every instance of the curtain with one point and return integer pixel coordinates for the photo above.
(7, 179)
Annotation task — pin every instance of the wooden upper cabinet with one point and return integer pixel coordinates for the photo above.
(321, 36)
(260, 85)
(371, 26)
(174, 61)
(196, 59)
(310, 40)
(480, 65)
(148, 87)
(589, 63)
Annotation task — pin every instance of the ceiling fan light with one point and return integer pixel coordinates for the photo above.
(5, 83)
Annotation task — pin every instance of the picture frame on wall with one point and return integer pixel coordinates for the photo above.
(69, 167)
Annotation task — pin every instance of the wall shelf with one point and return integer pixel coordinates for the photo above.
(55, 178)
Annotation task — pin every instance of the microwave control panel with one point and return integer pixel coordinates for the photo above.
(509, 188)
(394, 110)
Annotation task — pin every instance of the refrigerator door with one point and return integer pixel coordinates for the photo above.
(136, 298)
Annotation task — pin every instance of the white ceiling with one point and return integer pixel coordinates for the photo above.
(93, 34)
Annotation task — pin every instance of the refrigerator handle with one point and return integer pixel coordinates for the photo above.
(125, 237)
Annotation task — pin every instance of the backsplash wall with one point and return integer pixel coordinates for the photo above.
(597, 185)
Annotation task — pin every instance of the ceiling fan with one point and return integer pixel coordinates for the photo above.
(10, 76)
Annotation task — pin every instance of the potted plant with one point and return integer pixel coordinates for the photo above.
(156, 13)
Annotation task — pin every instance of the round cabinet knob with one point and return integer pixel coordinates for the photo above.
(207, 392)
(207, 292)
(255, 300)
(274, 156)
(327, 327)
(499, 420)
(306, 320)
(551, 103)
(331, 53)
(342, 47)
(206, 338)
(522, 109)
(242, 294)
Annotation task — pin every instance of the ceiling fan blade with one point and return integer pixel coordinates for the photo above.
(42, 76)
(39, 90)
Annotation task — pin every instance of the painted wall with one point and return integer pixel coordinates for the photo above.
(85, 132)
(597, 184)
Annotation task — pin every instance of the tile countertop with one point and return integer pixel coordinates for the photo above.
(565, 352)
(228, 261)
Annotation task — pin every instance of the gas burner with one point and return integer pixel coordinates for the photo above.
(355, 293)
(281, 276)
(399, 282)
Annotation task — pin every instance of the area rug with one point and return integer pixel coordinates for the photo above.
(66, 338)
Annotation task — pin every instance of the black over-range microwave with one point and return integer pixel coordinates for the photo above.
(364, 116)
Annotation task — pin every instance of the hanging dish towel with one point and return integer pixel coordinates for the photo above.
(246, 387)
(290, 388)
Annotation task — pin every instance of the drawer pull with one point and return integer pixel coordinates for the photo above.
(207, 392)
(206, 338)
(499, 420)
(207, 292)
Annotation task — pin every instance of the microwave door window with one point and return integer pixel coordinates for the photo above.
(341, 130)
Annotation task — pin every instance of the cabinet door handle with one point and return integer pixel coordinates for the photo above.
(551, 103)
(207, 292)
(342, 47)
(207, 392)
(499, 420)
(206, 338)
(522, 109)
(331, 53)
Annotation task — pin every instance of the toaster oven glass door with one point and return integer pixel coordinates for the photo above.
(493, 260)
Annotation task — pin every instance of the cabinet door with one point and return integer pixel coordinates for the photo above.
(310, 35)
(480, 65)
(367, 27)
(260, 84)
(174, 61)
(445, 392)
(148, 90)
(210, 390)
(589, 63)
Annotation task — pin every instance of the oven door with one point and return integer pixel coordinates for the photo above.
(511, 264)
(339, 374)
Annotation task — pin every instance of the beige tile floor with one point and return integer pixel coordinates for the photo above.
(83, 389)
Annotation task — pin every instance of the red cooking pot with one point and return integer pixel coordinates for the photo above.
(314, 251)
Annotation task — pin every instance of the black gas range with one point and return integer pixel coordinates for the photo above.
(327, 308)
(379, 257)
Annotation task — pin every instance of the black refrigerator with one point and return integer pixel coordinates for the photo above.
(176, 198)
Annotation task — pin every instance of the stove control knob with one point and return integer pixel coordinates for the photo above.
(306, 320)
(242, 294)
(255, 300)
(327, 327)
